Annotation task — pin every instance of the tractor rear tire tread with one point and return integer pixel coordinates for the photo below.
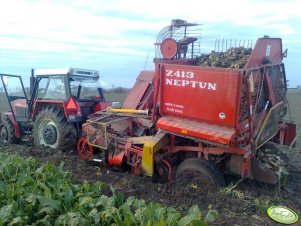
(67, 131)
(12, 139)
(205, 168)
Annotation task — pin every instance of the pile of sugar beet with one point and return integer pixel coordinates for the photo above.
(232, 58)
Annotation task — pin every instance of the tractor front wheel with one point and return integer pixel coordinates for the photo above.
(199, 172)
(7, 132)
(52, 129)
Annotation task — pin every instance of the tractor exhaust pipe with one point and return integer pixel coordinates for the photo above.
(32, 81)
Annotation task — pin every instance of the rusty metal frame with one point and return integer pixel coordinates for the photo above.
(105, 146)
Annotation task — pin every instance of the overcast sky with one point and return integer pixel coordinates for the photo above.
(116, 36)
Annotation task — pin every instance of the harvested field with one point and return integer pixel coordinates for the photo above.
(241, 204)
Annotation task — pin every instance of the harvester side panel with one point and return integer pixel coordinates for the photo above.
(202, 94)
(143, 82)
(266, 50)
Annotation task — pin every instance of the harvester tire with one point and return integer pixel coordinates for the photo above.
(200, 171)
(52, 129)
(7, 132)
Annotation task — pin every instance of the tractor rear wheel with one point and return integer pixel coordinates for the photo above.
(199, 172)
(52, 129)
(7, 132)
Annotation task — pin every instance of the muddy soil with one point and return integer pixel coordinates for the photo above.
(243, 205)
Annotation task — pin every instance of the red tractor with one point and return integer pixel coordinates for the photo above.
(197, 115)
(52, 110)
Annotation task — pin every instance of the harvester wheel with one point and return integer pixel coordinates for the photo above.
(7, 132)
(52, 129)
(199, 172)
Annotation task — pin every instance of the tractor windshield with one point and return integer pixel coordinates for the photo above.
(84, 88)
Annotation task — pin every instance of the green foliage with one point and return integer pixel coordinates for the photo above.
(32, 194)
(211, 216)
(262, 203)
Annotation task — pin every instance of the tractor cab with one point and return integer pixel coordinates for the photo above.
(53, 108)
(61, 84)
(81, 88)
(53, 86)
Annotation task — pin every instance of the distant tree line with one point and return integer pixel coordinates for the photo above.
(117, 89)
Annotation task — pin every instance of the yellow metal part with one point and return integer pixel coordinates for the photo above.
(150, 147)
(140, 140)
(129, 111)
